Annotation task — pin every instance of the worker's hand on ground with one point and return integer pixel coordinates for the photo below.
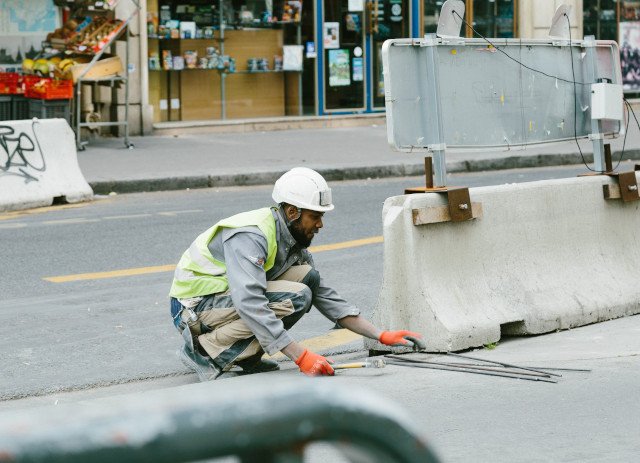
(312, 364)
(403, 338)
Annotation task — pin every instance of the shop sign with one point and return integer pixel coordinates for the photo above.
(339, 73)
(396, 11)
(356, 5)
(331, 35)
(358, 69)
(630, 54)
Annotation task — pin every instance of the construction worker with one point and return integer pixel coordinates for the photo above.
(248, 279)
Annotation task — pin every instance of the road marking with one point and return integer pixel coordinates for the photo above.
(13, 215)
(69, 221)
(13, 225)
(111, 274)
(330, 340)
(174, 213)
(169, 268)
(130, 216)
(40, 210)
(346, 244)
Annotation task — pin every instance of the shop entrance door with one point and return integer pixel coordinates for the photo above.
(352, 35)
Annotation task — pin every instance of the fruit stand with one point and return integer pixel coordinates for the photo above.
(73, 57)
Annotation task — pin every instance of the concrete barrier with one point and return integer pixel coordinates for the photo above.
(39, 162)
(544, 256)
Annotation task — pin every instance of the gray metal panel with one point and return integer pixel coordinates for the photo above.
(489, 100)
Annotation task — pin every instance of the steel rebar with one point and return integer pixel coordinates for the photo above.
(503, 364)
(476, 372)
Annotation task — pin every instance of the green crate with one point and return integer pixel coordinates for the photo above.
(49, 109)
(6, 110)
(20, 107)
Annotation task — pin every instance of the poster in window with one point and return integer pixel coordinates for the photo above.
(358, 70)
(630, 54)
(339, 72)
(331, 35)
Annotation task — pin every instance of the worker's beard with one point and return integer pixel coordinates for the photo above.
(299, 235)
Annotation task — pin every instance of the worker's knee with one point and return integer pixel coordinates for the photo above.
(312, 280)
(302, 299)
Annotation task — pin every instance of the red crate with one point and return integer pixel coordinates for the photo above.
(10, 83)
(45, 88)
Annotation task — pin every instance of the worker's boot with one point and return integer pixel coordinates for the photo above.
(256, 364)
(201, 365)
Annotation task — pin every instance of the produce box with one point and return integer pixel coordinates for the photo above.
(46, 88)
(10, 83)
(105, 67)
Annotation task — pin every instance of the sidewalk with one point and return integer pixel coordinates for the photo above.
(172, 162)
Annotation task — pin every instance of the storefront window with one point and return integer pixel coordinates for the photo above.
(491, 18)
(494, 18)
(629, 42)
(226, 59)
(600, 19)
(431, 15)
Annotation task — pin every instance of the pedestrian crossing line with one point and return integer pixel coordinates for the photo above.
(170, 268)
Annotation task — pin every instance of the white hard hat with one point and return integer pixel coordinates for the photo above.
(304, 188)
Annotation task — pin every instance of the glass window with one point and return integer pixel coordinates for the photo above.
(431, 15)
(600, 19)
(493, 18)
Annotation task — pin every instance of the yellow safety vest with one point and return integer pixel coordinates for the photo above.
(199, 274)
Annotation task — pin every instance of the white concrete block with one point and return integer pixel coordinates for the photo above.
(39, 162)
(544, 256)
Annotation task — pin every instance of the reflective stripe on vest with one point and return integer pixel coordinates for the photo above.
(198, 273)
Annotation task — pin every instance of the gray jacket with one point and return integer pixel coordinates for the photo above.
(243, 250)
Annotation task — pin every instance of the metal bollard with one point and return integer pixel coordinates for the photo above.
(267, 421)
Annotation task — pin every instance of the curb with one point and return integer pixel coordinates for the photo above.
(347, 173)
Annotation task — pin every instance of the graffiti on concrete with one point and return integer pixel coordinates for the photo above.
(19, 155)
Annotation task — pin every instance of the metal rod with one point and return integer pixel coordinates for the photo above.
(503, 364)
(607, 158)
(471, 366)
(540, 368)
(428, 171)
(564, 369)
(476, 372)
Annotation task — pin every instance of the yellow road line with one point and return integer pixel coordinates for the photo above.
(111, 274)
(332, 339)
(40, 210)
(69, 221)
(346, 244)
(169, 268)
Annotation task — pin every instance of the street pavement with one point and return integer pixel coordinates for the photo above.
(586, 416)
(229, 159)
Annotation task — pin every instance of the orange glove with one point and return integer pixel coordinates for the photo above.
(312, 364)
(402, 338)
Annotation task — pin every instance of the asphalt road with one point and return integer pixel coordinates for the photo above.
(71, 334)
(79, 335)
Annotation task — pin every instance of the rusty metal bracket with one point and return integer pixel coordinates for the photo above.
(459, 207)
(626, 189)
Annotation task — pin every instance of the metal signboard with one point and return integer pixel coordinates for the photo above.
(465, 93)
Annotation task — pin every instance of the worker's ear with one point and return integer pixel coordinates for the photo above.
(291, 212)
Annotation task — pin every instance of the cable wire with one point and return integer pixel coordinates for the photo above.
(575, 101)
(515, 60)
(573, 81)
